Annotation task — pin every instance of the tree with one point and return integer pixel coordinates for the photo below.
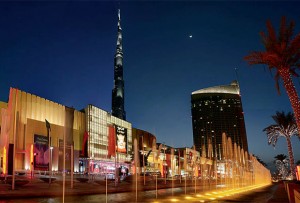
(285, 127)
(282, 54)
(281, 163)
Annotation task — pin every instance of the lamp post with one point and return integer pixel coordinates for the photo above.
(33, 164)
(49, 146)
(50, 163)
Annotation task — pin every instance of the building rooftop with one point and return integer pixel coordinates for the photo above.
(233, 88)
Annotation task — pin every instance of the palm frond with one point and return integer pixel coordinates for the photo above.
(268, 58)
(283, 119)
(272, 134)
(285, 126)
(280, 157)
(281, 52)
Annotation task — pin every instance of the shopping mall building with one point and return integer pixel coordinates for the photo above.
(89, 137)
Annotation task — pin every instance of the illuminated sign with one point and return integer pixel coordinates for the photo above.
(41, 158)
(121, 134)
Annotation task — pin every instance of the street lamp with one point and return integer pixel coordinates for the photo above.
(33, 164)
(50, 165)
(49, 146)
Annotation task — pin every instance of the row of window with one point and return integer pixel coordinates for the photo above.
(222, 101)
(98, 123)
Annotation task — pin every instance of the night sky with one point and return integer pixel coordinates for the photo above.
(64, 51)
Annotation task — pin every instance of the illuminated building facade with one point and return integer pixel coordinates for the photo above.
(92, 133)
(147, 147)
(179, 161)
(109, 142)
(168, 160)
(216, 110)
(24, 133)
(3, 107)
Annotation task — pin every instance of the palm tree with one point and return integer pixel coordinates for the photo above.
(282, 54)
(280, 157)
(286, 127)
(281, 163)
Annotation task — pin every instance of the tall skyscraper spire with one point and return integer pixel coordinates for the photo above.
(118, 90)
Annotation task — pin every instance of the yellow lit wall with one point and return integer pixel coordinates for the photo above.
(147, 141)
(29, 114)
(3, 105)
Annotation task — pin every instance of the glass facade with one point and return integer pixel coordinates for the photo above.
(98, 123)
(215, 111)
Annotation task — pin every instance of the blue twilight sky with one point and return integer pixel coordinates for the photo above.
(64, 51)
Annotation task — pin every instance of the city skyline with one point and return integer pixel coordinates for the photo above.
(170, 50)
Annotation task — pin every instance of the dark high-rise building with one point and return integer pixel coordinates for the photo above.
(118, 90)
(216, 110)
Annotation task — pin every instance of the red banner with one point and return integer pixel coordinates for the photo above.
(111, 141)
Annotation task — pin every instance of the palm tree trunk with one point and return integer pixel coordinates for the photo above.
(291, 156)
(292, 93)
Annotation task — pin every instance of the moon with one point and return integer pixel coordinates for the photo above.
(191, 36)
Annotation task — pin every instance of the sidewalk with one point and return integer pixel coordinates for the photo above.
(39, 188)
(280, 194)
